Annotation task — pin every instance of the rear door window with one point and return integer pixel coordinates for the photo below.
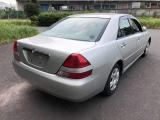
(135, 25)
(125, 28)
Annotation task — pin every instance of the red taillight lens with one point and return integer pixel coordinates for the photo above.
(15, 47)
(76, 61)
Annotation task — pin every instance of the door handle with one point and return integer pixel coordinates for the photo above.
(123, 44)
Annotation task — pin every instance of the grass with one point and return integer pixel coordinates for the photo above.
(150, 22)
(15, 29)
(16, 22)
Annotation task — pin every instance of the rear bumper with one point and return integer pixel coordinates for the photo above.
(73, 90)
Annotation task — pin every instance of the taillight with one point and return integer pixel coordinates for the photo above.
(76, 61)
(15, 47)
(75, 66)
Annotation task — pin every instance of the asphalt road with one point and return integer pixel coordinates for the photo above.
(137, 97)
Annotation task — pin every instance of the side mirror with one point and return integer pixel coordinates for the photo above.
(144, 28)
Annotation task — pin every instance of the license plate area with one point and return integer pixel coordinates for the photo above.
(35, 57)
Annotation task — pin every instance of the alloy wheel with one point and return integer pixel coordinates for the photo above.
(114, 78)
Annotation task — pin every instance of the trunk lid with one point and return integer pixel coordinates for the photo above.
(49, 53)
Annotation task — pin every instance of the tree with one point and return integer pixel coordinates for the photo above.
(32, 8)
(34, 1)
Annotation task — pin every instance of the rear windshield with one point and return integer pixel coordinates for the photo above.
(82, 29)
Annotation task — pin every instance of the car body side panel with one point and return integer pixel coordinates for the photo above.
(102, 58)
(129, 50)
(142, 42)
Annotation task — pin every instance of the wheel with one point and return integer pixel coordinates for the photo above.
(146, 50)
(112, 81)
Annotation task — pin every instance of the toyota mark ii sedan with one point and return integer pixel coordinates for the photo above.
(81, 55)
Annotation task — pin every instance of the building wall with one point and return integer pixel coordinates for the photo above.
(135, 7)
(20, 6)
(105, 4)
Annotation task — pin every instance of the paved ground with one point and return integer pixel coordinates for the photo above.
(137, 98)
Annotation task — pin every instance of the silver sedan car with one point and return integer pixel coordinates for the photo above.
(82, 55)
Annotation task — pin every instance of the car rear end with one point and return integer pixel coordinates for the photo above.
(70, 78)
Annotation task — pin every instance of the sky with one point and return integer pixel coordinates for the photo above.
(13, 2)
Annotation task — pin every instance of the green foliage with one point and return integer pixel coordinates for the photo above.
(15, 29)
(34, 1)
(15, 22)
(31, 9)
(150, 22)
(48, 18)
(34, 20)
(2, 13)
(11, 13)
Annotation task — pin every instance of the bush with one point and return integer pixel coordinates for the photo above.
(31, 9)
(34, 20)
(47, 19)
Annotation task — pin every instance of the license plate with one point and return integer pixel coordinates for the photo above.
(37, 58)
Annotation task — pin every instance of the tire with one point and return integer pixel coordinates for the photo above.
(146, 50)
(112, 81)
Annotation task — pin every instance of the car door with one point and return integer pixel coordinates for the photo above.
(137, 30)
(126, 41)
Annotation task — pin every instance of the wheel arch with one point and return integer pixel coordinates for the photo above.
(149, 40)
(120, 63)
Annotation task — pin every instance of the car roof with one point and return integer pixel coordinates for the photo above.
(99, 15)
